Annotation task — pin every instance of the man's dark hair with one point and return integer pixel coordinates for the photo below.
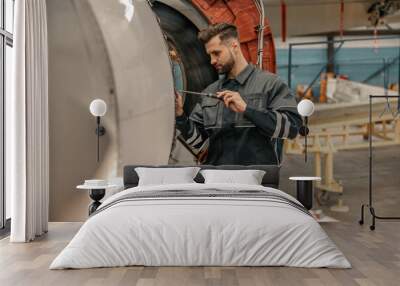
(224, 30)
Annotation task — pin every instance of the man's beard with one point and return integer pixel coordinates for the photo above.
(226, 68)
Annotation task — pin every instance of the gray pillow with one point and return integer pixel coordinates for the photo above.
(248, 177)
(162, 176)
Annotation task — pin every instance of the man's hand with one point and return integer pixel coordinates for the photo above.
(233, 100)
(178, 104)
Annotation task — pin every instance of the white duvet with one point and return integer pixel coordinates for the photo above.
(200, 231)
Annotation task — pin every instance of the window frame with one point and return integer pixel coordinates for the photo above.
(6, 39)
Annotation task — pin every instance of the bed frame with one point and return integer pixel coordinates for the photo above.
(270, 179)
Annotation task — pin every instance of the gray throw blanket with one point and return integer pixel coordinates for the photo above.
(206, 194)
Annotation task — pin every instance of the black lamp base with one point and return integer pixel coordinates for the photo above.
(100, 131)
(305, 193)
(96, 195)
(303, 130)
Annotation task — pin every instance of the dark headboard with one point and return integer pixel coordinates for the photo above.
(271, 177)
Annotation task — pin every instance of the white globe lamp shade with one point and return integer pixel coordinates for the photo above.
(98, 107)
(305, 107)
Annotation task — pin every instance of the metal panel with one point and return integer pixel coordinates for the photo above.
(79, 71)
(143, 80)
(96, 52)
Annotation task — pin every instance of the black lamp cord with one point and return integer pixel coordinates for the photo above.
(305, 138)
(98, 137)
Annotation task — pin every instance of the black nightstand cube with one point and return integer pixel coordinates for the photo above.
(304, 190)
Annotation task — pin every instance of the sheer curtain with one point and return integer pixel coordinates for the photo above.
(27, 138)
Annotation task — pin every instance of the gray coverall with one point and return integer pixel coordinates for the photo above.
(253, 137)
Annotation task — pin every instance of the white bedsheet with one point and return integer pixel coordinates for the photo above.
(193, 231)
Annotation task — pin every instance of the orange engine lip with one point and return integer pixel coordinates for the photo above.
(244, 14)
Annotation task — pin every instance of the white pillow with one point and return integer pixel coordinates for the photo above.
(248, 177)
(162, 176)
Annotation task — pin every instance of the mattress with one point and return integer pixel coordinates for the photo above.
(201, 225)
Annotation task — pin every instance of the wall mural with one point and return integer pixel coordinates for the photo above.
(134, 56)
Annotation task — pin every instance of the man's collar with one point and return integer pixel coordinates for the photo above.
(243, 75)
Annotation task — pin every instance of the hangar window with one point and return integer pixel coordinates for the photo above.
(6, 44)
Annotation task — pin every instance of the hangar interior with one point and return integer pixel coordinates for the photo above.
(126, 60)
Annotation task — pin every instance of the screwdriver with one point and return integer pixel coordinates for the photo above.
(212, 95)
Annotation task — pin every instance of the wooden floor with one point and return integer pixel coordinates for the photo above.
(375, 256)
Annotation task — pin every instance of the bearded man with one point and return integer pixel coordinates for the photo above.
(254, 112)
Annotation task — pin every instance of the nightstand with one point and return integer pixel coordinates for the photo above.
(96, 193)
(304, 190)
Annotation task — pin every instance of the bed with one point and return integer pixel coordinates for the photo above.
(198, 224)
